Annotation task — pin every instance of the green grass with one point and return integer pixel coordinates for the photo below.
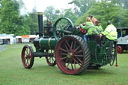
(12, 72)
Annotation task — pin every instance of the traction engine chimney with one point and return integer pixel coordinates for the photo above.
(40, 23)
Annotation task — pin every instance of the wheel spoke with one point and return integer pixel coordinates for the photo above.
(27, 62)
(68, 64)
(78, 55)
(63, 58)
(77, 62)
(27, 50)
(66, 60)
(78, 59)
(79, 52)
(49, 59)
(52, 58)
(68, 44)
(76, 48)
(63, 49)
(66, 47)
(71, 44)
(72, 66)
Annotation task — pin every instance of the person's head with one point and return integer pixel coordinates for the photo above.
(88, 19)
(108, 23)
(90, 16)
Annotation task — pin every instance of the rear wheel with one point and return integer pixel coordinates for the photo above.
(72, 55)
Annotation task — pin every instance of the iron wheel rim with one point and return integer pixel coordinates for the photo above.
(27, 56)
(74, 62)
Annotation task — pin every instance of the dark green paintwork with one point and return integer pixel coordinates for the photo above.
(47, 43)
(99, 54)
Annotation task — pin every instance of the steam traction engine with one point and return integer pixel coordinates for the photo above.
(63, 44)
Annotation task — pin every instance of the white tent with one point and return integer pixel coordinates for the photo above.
(7, 37)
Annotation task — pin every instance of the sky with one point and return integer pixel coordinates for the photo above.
(42, 4)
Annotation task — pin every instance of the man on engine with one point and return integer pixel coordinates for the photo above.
(109, 33)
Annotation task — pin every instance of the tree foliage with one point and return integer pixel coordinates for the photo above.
(82, 6)
(51, 13)
(11, 22)
(122, 3)
(69, 14)
(33, 22)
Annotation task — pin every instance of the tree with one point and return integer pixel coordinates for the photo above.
(11, 22)
(33, 22)
(69, 14)
(122, 3)
(82, 6)
(51, 14)
(9, 16)
(124, 19)
(0, 16)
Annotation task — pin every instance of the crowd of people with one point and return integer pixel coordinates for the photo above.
(95, 31)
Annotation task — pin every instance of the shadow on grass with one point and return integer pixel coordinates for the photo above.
(100, 71)
(52, 70)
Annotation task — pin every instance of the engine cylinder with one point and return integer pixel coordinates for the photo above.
(47, 43)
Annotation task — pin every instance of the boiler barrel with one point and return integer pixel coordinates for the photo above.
(47, 43)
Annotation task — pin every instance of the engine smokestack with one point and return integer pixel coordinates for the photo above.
(40, 23)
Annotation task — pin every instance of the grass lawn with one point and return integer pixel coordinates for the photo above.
(12, 72)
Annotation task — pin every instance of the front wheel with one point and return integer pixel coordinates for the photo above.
(27, 56)
(72, 54)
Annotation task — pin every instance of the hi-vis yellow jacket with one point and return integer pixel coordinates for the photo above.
(110, 32)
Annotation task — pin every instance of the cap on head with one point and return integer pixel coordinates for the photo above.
(108, 23)
(90, 16)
